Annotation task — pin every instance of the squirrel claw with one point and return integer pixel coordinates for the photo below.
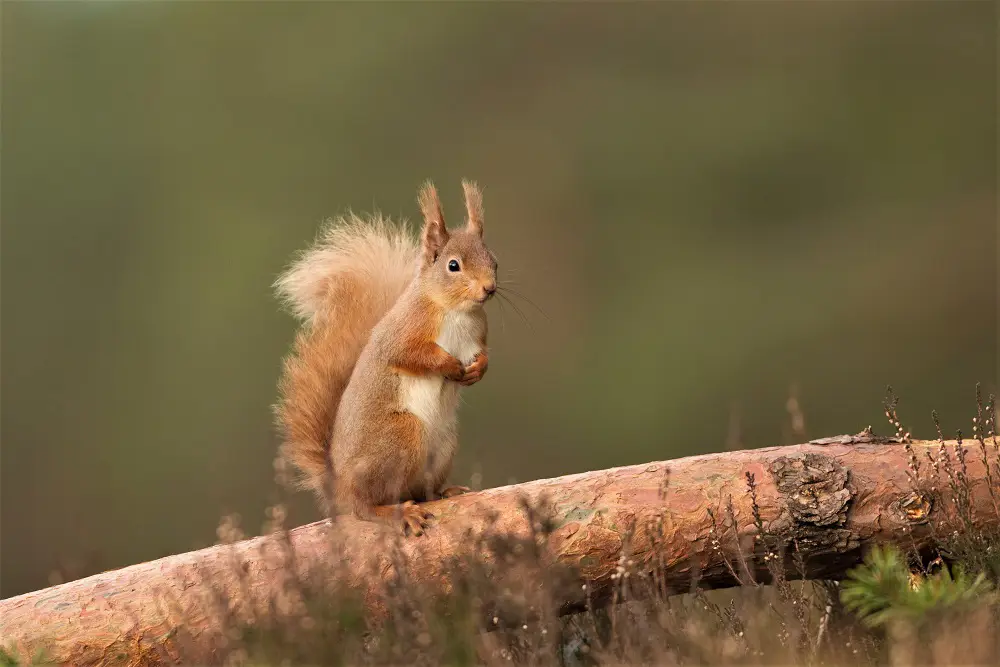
(457, 373)
(451, 491)
(415, 519)
(475, 371)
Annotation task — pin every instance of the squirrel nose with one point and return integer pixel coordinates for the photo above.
(490, 289)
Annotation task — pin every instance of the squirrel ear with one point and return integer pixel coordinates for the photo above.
(474, 206)
(435, 234)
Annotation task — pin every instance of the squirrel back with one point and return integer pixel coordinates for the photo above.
(339, 288)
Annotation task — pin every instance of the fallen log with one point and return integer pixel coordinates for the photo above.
(829, 498)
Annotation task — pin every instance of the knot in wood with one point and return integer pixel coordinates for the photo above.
(814, 487)
(915, 507)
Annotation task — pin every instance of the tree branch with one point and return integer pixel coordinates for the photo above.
(830, 498)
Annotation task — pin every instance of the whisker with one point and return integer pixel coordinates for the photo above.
(512, 304)
(532, 303)
(516, 309)
(520, 313)
(503, 326)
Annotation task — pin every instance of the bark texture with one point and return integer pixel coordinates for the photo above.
(831, 498)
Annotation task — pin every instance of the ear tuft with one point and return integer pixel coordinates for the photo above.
(473, 206)
(435, 234)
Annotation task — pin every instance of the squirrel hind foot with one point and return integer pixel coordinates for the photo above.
(416, 519)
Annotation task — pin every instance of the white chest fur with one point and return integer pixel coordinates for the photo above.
(460, 335)
(432, 399)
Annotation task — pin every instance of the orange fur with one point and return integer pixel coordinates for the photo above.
(418, 354)
(340, 288)
(391, 332)
(473, 207)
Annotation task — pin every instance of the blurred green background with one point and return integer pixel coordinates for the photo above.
(713, 205)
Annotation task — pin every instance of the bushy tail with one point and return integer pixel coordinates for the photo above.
(340, 288)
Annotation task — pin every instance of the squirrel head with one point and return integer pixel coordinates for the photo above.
(457, 268)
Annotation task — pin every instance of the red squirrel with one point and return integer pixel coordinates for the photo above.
(391, 330)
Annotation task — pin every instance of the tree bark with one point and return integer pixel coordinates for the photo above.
(828, 499)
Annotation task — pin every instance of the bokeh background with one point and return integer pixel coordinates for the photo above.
(713, 207)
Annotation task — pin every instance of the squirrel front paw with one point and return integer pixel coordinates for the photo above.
(475, 371)
(454, 370)
(415, 519)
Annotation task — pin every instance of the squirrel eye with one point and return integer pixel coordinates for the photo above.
(453, 265)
